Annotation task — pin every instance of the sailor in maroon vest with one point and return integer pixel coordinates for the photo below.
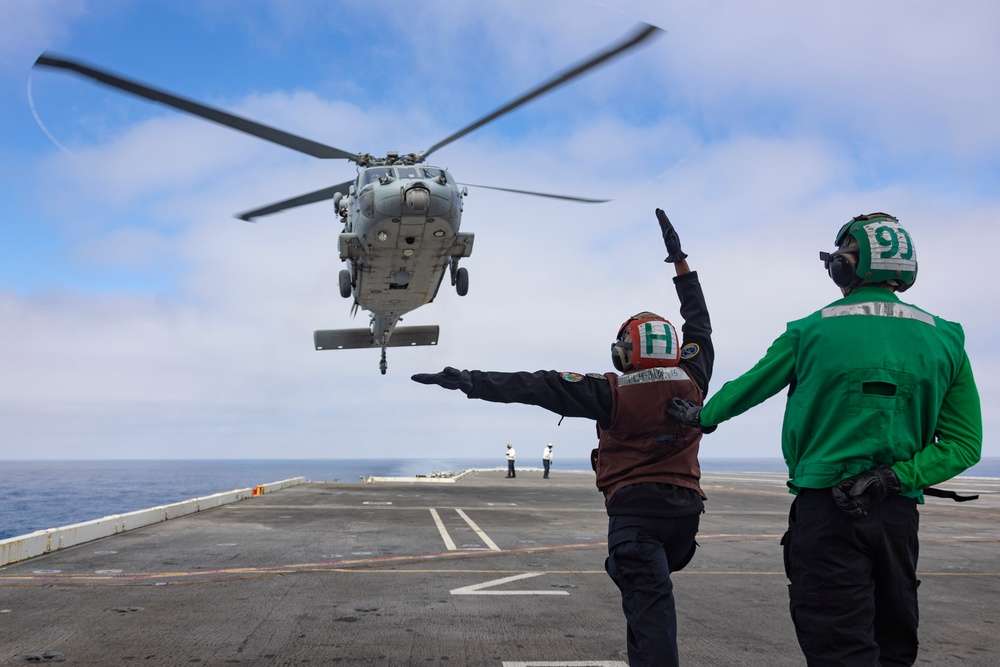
(646, 461)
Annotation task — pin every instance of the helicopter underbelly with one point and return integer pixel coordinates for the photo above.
(405, 262)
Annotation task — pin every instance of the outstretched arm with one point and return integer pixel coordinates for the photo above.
(566, 394)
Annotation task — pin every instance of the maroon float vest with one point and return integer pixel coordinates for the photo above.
(643, 443)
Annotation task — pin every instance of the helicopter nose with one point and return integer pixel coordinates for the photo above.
(417, 198)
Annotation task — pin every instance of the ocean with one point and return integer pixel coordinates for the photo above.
(35, 495)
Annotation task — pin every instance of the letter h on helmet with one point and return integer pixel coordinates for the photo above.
(645, 341)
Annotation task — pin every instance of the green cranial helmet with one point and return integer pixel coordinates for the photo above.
(885, 250)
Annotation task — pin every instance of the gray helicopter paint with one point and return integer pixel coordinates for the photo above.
(405, 232)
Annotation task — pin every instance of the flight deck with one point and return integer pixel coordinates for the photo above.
(478, 570)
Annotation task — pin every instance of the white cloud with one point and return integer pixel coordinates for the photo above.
(747, 131)
(25, 25)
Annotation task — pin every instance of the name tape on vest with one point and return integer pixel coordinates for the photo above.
(658, 374)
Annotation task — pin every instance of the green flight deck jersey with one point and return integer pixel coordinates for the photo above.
(871, 380)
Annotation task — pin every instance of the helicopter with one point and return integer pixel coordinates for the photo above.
(400, 216)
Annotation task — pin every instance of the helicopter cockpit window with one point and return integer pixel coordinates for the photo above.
(375, 173)
(407, 172)
(366, 202)
(432, 172)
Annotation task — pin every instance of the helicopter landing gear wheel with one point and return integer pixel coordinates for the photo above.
(345, 283)
(462, 281)
(382, 365)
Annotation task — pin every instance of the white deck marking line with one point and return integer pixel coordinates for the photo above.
(448, 542)
(483, 536)
(477, 589)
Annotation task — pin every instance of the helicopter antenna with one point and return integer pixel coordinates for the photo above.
(644, 32)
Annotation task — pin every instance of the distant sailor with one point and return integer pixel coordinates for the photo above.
(511, 473)
(547, 460)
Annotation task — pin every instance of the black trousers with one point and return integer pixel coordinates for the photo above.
(642, 552)
(853, 584)
(510, 468)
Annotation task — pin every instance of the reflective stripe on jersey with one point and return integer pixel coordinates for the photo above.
(879, 309)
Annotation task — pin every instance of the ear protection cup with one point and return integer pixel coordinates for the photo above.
(842, 267)
(618, 356)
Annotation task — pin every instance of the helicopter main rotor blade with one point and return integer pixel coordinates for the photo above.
(301, 200)
(271, 134)
(584, 200)
(641, 34)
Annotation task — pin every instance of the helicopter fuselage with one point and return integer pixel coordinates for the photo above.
(401, 234)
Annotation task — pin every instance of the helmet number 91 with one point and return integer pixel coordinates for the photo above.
(887, 236)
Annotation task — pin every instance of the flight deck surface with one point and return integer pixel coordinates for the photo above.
(485, 572)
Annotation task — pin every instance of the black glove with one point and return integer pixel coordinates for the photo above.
(687, 413)
(856, 495)
(449, 378)
(670, 239)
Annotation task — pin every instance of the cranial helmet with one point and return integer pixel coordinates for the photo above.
(644, 341)
(872, 248)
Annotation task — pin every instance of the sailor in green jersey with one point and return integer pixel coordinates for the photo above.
(881, 405)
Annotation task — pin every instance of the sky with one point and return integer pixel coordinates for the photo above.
(140, 319)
